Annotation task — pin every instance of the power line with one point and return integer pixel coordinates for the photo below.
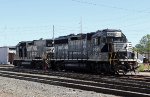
(108, 6)
(118, 8)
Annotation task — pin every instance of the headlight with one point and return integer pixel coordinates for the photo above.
(122, 62)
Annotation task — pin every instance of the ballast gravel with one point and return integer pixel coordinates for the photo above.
(10, 87)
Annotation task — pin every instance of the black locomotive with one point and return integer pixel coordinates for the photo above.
(104, 51)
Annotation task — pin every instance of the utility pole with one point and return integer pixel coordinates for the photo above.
(148, 53)
(81, 37)
(81, 25)
(148, 50)
(53, 34)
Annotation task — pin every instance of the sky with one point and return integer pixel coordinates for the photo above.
(27, 20)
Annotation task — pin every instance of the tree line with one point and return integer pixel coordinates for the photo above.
(143, 47)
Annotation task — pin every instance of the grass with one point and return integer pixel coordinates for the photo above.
(143, 67)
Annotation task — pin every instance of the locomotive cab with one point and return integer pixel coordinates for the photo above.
(111, 48)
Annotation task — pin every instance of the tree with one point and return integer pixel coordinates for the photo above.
(144, 45)
(144, 48)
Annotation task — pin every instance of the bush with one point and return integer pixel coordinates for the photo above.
(141, 68)
(144, 67)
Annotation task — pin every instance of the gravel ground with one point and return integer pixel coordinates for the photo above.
(145, 73)
(10, 87)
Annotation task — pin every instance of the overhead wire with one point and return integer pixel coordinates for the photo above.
(118, 8)
(109, 6)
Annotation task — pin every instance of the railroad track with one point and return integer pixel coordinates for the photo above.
(103, 79)
(132, 78)
(105, 86)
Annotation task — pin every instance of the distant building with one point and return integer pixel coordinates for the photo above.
(7, 55)
(139, 57)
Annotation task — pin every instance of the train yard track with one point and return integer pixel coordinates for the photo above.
(108, 85)
(140, 79)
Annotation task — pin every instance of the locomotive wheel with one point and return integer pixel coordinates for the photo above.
(109, 70)
(121, 70)
(18, 64)
(91, 68)
(53, 66)
(39, 65)
(59, 66)
(33, 63)
(98, 68)
(104, 68)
